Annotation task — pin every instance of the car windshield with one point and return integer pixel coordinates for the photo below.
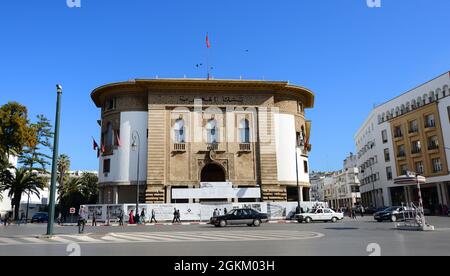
(390, 209)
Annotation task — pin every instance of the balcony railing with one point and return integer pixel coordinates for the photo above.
(433, 147)
(398, 134)
(416, 150)
(401, 154)
(245, 147)
(413, 130)
(179, 147)
(430, 124)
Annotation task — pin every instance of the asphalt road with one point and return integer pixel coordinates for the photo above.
(362, 237)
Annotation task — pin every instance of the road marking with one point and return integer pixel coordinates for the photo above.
(84, 239)
(61, 240)
(33, 240)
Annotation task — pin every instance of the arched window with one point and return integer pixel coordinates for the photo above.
(413, 104)
(179, 131)
(438, 94)
(419, 102)
(212, 132)
(244, 131)
(109, 136)
(446, 91)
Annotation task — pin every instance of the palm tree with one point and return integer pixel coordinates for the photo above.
(18, 183)
(63, 168)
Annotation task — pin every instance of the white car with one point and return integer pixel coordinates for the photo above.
(322, 214)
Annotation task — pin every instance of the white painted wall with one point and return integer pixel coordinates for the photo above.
(285, 137)
(124, 159)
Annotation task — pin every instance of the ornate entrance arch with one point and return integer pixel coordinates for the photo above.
(213, 172)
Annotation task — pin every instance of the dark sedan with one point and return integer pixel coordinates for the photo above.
(393, 214)
(39, 218)
(249, 217)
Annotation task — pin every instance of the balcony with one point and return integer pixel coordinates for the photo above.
(416, 151)
(245, 147)
(413, 131)
(398, 134)
(401, 154)
(220, 147)
(179, 147)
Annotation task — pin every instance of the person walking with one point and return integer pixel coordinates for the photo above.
(174, 215)
(142, 216)
(362, 210)
(153, 216)
(94, 218)
(353, 212)
(215, 213)
(131, 219)
(59, 218)
(120, 217)
(81, 220)
(225, 211)
(178, 216)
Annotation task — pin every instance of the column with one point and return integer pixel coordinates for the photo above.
(116, 195)
(444, 190)
(300, 194)
(100, 196)
(439, 192)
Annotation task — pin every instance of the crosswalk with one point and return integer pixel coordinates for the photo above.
(164, 237)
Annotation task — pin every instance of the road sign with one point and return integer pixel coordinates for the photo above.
(72, 210)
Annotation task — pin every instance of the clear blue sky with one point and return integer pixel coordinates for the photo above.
(351, 56)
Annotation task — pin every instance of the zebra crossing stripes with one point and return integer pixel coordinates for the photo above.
(166, 237)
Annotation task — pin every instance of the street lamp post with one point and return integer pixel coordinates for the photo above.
(373, 188)
(298, 184)
(51, 211)
(136, 145)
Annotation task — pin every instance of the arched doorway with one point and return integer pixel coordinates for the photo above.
(213, 173)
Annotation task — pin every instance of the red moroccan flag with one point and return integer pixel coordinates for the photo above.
(208, 44)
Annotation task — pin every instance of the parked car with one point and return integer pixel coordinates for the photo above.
(322, 214)
(373, 210)
(247, 216)
(393, 214)
(39, 218)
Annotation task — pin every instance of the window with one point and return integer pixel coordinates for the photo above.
(389, 173)
(109, 136)
(433, 143)
(305, 165)
(401, 151)
(413, 126)
(437, 165)
(448, 111)
(404, 169)
(398, 132)
(110, 104)
(429, 121)
(416, 147)
(106, 165)
(244, 131)
(179, 131)
(212, 132)
(387, 156)
(384, 136)
(419, 167)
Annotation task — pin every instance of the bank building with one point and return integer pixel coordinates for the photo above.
(203, 141)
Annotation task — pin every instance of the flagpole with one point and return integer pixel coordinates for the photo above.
(207, 57)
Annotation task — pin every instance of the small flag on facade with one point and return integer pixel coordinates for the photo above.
(118, 143)
(95, 145)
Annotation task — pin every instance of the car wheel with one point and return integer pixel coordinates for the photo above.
(308, 220)
(333, 220)
(300, 221)
(393, 218)
(222, 223)
(256, 223)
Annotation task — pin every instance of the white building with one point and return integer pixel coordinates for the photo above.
(408, 133)
(341, 189)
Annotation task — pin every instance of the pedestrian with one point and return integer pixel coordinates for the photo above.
(81, 220)
(131, 219)
(120, 217)
(143, 216)
(5, 220)
(153, 216)
(94, 218)
(137, 219)
(215, 213)
(22, 218)
(362, 211)
(178, 216)
(59, 218)
(225, 211)
(353, 212)
(174, 215)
